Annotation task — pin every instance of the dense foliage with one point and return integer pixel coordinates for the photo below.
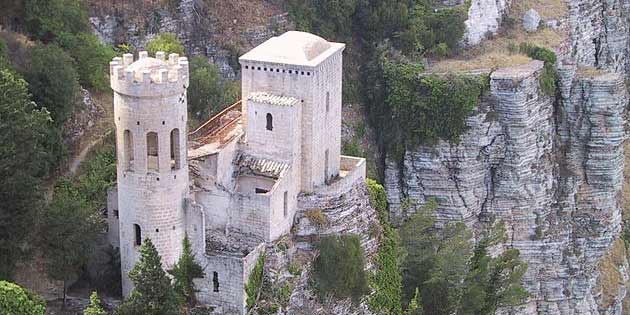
(94, 308)
(15, 300)
(24, 158)
(184, 271)
(339, 270)
(166, 42)
(152, 293)
(70, 228)
(208, 92)
(91, 59)
(254, 283)
(421, 109)
(548, 79)
(454, 276)
(48, 19)
(387, 280)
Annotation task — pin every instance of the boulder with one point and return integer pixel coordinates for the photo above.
(531, 20)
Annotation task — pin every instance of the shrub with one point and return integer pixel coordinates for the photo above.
(352, 148)
(208, 93)
(549, 77)
(53, 81)
(166, 42)
(15, 300)
(316, 216)
(424, 109)
(48, 19)
(91, 57)
(339, 270)
(254, 284)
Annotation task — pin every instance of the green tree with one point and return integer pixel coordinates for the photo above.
(493, 282)
(153, 293)
(184, 271)
(208, 92)
(436, 262)
(95, 307)
(339, 270)
(166, 42)
(70, 228)
(53, 81)
(15, 300)
(91, 57)
(47, 19)
(23, 161)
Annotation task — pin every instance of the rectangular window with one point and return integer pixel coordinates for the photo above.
(261, 191)
(327, 102)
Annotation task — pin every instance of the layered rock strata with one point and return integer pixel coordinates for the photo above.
(552, 169)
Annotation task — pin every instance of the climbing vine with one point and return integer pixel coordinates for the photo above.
(252, 288)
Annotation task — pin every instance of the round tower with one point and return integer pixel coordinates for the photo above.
(150, 113)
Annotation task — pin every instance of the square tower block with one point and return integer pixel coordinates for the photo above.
(308, 68)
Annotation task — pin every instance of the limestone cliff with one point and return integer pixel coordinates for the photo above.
(551, 167)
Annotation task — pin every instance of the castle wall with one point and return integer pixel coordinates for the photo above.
(280, 143)
(281, 220)
(250, 214)
(232, 274)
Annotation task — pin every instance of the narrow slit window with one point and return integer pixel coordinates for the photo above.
(269, 122)
(175, 148)
(215, 281)
(286, 205)
(152, 152)
(138, 233)
(128, 150)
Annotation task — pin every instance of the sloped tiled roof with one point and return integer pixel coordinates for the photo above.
(272, 99)
(259, 166)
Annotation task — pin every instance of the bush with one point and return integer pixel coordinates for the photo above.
(424, 109)
(548, 79)
(15, 300)
(166, 42)
(316, 216)
(53, 81)
(48, 19)
(98, 173)
(378, 199)
(339, 270)
(91, 57)
(208, 93)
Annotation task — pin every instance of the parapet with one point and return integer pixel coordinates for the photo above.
(149, 77)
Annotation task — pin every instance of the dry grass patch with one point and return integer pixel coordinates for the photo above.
(548, 9)
(610, 278)
(591, 72)
(317, 217)
(500, 51)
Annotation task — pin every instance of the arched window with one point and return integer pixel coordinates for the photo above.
(269, 122)
(175, 155)
(138, 233)
(128, 150)
(152, 152)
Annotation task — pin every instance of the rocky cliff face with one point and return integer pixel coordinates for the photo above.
(221, 30)
(551, 167)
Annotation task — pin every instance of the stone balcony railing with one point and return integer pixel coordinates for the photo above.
(351, 170)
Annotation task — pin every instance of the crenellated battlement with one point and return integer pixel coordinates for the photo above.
(149, 77)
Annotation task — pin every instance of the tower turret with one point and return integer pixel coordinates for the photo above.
(150, 113)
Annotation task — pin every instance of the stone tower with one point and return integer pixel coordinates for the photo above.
(308, 68)
(150, 115)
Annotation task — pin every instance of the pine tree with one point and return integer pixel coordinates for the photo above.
(95, 306)
(184, 272)
(153, 293)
